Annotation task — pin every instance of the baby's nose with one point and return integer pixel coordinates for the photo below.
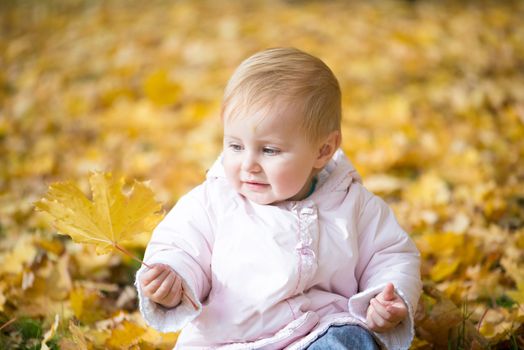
(250, 164)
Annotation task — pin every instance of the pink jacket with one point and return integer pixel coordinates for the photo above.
(277, 276)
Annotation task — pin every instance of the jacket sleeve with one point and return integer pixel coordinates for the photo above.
(386, 254)
(183, 241)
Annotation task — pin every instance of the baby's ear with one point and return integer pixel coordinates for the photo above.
(327, 148)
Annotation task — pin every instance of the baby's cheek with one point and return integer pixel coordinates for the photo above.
(231, 174)
(291, 188)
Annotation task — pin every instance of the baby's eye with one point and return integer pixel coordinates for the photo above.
(271, 151)
(235, 147)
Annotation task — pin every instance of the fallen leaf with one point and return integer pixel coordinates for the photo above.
(443, 269)
(125, 335)
(441, 323)
(80, 341)
(160, 89)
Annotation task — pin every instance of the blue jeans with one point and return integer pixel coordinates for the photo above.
(345, 337)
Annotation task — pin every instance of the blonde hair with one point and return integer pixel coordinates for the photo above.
(291, 76)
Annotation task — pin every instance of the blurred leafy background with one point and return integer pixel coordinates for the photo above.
(433, 97)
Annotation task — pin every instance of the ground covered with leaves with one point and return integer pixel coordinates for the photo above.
(433, 95)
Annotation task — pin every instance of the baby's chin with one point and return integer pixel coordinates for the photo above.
(260, 199)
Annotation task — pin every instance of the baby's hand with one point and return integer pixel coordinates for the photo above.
(162, 285)
(386, 310)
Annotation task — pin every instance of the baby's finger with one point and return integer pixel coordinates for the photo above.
(380, 309)
(174, 296)
(380, 324)
(178, 283)
(165, 287)
(388, 293)
(398, 313)
(151, 274)
(153, 285)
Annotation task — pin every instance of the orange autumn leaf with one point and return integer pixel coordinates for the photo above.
(441, 323)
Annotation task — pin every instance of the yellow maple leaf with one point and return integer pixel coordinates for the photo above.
(444, 269)
(125, 336)
(111, 219)
(21, 255)
(160, 89)
(517, 295)
(79, 338)
(156, 339)
(86, 305)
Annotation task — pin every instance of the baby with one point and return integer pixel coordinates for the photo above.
(281, 246)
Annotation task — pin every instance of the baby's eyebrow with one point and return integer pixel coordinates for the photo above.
(230, 136)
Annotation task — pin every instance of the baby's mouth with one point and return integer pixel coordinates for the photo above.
(254, 185)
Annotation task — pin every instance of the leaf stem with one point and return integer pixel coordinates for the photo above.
(129, 254)
(191, 301)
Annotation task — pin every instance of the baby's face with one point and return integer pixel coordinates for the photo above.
(267, 157)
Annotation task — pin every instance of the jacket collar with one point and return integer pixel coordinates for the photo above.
(338, 174)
